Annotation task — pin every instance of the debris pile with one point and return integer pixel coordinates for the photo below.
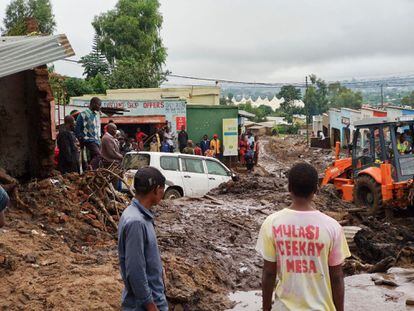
(84, 202)
(293, 148)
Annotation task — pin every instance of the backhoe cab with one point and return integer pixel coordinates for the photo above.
(381, 169)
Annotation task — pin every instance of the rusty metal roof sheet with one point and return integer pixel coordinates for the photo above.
(26, 52)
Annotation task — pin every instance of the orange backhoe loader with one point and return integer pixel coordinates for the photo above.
(380, 171)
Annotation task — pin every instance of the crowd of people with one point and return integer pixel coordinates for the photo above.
(80, 146)
(249, 150)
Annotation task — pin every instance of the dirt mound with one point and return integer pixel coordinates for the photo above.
(379, 239)
(73, 205)
(294, 148)
(195, 287)
(249, 184)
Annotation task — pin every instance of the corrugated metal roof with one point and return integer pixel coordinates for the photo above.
(23, 53)
(246, 114)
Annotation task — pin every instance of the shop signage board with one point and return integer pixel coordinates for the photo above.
(173, 110)
(181, 121)
(230, 137)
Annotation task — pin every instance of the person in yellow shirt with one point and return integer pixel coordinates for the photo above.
(215, 144)
(304, 249)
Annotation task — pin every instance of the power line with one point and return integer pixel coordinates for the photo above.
(385, 82)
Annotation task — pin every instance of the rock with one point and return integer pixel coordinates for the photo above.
(30, 258)
(381, 281)
(34, 232)
(410, 301)
(63, 218)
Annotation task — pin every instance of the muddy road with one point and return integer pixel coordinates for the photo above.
(55, 256)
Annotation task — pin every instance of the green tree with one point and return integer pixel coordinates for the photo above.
(316, 97)
(408, 100)
(230, 96)
(129, 37)
(130, 73)
(261, 112)
(95, 62)
(76, 87)
(18, 11)
(287, 108)
(98, 84)
(343, 97)
(267, 110)
(289, 94)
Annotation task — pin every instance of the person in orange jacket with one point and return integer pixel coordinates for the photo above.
(215, 144)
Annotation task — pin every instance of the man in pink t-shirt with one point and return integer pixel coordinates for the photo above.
(305, 249)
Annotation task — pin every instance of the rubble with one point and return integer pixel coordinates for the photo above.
(63, 237)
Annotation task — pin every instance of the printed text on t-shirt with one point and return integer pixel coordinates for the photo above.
(297, 241)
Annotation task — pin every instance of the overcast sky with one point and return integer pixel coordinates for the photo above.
(266, 40)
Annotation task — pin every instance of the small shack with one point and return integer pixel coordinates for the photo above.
(27, 130)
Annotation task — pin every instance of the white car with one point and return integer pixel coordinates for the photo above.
(186, 175)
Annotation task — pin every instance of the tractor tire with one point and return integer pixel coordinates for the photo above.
(367, 192)
(172, 194)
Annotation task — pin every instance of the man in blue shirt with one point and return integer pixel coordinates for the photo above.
(139, 256)
(88, 130)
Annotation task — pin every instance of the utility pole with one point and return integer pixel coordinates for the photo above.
(307, 111)
(382, 95)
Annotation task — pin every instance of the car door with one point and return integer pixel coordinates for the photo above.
(194, 176)
(217, 174)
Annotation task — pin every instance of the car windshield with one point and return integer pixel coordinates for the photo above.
(134, 161)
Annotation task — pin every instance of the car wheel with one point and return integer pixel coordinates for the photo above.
(172, 194)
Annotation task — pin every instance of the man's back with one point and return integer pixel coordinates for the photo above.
(304, 244)
(110, 148)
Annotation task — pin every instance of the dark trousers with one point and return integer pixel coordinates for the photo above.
(94, 153)
(68, 167)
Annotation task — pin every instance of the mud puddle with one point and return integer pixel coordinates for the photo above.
(361, 294)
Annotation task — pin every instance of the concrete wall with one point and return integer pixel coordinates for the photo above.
(394, 113)
(26, 145)
(335, 123)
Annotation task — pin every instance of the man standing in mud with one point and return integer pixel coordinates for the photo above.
(68, 149)
(88, 131)
(305, 249)
(139, 256)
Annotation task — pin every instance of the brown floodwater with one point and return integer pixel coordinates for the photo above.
(361, 294)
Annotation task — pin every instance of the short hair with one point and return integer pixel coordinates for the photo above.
(68, 119)
(95, 100)
(303, 180)
(147, 179)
